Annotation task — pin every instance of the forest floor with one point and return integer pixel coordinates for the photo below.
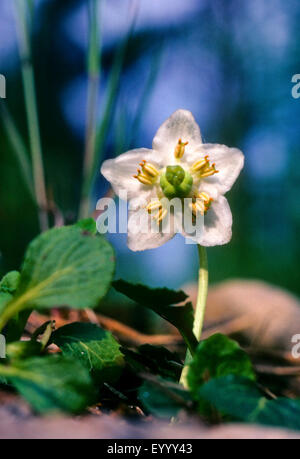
(261, 317)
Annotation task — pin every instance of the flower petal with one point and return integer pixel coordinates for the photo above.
(217, 225)
(143, 232)
(120, 171)
(180, 125)
(229, 162)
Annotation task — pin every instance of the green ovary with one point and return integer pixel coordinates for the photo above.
(176, 182)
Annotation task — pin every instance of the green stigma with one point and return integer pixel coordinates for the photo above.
(176, 182)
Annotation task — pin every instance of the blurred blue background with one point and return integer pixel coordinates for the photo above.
(229, 62)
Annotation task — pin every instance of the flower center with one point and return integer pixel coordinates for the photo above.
(176, 182)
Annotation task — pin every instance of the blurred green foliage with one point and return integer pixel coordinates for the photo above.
(252, 74)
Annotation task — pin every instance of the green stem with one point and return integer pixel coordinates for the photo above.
(92, 105)
(200, 307)
(31, 110)
(202, 292)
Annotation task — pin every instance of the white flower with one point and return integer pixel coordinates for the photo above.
(178, 166)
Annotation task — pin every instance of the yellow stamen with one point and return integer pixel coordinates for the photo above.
(148, 174)
(198, 165)
(204, 196)
(142, 178)
(203, 168)
(197, 207)
(180, 149)
(149, 169)
(153, 206)
(201, 203)
(161, 214)
(200, 206)
(210, 171)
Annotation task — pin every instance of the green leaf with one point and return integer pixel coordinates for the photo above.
(163, 399)
(10, 282)
(21, 350)
(94, 347)
(52, 384)
(239, 398)
(182, 317)
(215, 357)
(63, 267)
(282, 412)
(5, 298)
(66, 267)
(8, 287)
(160, 300)
(87, 224)
(149, 296)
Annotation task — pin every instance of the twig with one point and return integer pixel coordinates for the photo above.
(133, 336)
(230, 327)
(124, 332)
(278, 371)
(92, 316)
